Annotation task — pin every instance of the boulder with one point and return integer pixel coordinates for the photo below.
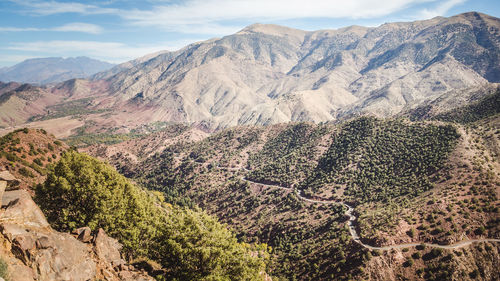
(22, 247)
(44, 242)
(18, 272)
(6, 176)
(10, 231)
(107, 248)
(83, 234)
(52, 255)
(37, 252)
(62, 257)
(21, 210)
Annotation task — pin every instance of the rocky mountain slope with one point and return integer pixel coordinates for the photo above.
(52, 70)
(268, 74)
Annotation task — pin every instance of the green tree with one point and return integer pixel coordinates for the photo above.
(191, 245)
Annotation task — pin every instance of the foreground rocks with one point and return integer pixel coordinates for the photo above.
(34, 251)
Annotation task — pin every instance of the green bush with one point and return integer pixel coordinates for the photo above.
(25, 172)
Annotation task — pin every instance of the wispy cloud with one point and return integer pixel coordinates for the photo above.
(19, 29)
(55, 7)
(192, 14)
(70, 27)
(79, 27)
(214, 16)
(110, 51)
(440, 10)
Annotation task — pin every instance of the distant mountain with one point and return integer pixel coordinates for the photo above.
(50, 70)
(268, 74)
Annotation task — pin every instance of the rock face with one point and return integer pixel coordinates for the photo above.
(267, 74)
(34, 251)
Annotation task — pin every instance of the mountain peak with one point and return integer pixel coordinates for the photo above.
(272, 29)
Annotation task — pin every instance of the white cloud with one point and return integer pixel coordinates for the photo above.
(109, 51)
(70, 27)
(440, 10)
(18, 29)
(213, 16)
(55, 7)
(79, 27)
(192, 14)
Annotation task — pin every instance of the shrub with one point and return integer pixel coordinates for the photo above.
(25, 172)
(38, 161)
(409, 262)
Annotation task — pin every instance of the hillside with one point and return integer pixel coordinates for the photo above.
(122, 231)
(28, 154)
(52, 108)
(340, 201)
(52, 70)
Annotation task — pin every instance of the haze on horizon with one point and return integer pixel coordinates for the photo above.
(119, 30)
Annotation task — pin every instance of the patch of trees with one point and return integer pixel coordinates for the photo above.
(487, 106)
(286, 158)
(189, 244)
(380, 160)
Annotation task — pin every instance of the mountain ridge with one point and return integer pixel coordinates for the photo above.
(268, 74)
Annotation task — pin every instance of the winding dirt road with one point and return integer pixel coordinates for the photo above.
(352, 219)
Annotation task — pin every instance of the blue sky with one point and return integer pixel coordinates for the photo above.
(120, 30)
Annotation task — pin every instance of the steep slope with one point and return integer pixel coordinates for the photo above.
(268, 74)
(125, 66)
(52, 70)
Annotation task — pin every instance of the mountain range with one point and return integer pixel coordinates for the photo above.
(268, 74)
(52, 70)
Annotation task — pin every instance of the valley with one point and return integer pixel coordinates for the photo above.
(250, 177)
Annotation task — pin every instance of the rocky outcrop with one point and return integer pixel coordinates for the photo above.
(107, 250)
(34, 251)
